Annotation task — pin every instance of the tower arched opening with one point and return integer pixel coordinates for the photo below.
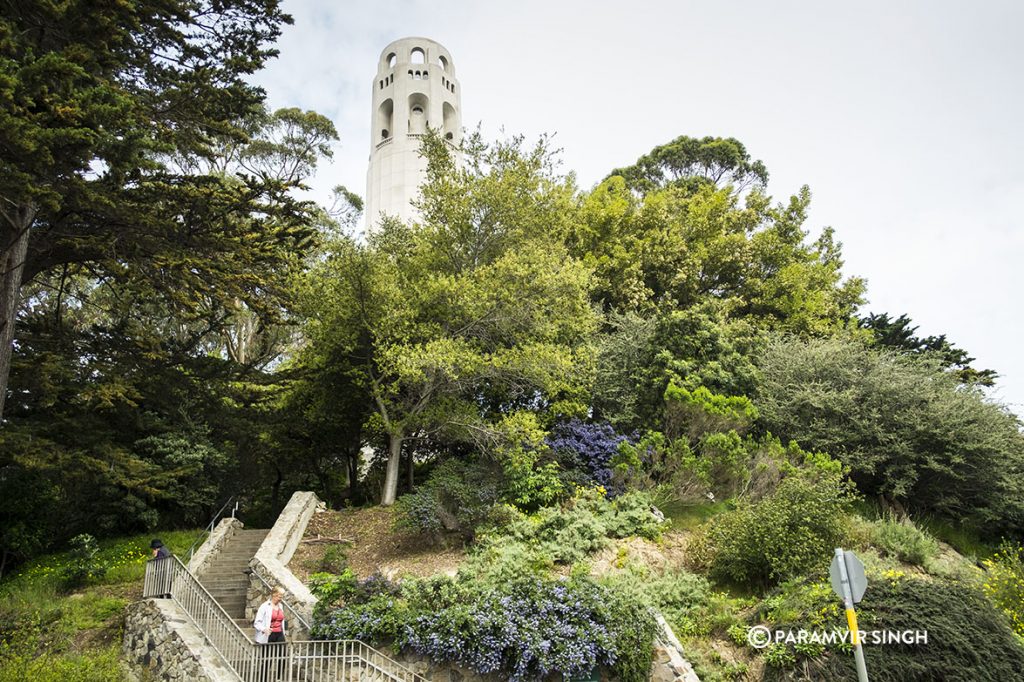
(418, 56)
(451, 121)
(385, 118)
(418, 113)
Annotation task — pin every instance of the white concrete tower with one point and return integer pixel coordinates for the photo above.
(415, 88)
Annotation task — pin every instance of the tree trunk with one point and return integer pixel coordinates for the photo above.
(14, 245)
(394, 464)
(412, 471)
(275, 490)
(353, 474)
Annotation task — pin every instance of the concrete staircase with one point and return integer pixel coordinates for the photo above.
(226, 579)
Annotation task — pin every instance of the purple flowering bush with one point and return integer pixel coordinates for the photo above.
(527, 628)
(585, 452)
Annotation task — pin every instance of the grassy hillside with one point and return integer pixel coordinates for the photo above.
(905, 563)
(52, 629)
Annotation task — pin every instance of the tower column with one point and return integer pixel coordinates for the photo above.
(415, 87)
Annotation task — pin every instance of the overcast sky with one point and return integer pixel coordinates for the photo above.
(906, 119)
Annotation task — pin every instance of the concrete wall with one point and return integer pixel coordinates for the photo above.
(271, 561)
(208, 551)
(160, 642)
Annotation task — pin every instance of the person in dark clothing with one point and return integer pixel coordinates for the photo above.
(159, 551)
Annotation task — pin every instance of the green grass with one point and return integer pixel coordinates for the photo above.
(967, 541)
(689, 515)
(25, 662)
(124, 557)
(50, 635)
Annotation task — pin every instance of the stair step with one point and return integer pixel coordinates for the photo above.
(233, 581)
(235, 554)
(228, 595)
(228, 567)
(235, 604)
(226, 589)
(246, 625)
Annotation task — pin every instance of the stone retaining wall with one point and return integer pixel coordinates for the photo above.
(204, 556)
(161, 643)
(669, 664)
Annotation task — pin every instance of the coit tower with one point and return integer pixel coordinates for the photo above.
(415, 89)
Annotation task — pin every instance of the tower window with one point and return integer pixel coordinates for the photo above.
(443, 63)
(418, 56)
(384, 134)
(447, 136)
(391, 59)
(425, 74)
(410, 73)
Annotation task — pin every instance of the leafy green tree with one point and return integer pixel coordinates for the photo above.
(102, 107)
(640, 357)
(470, 317)
(322, 417)
(899, 334)
(675, 248)
(134, 402)
(691, 162)
(906, 428)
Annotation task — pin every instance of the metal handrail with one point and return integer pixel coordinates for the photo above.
(291, 608)
(169, 576)
(208, 530)
(305, 661)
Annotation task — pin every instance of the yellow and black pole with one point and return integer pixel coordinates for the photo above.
(839, 565)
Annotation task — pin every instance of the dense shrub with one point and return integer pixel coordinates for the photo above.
(906, 428)
(585, 452)
(968, 639)
(704, 450)
(84, 562)
(900, 538)
(332, 588)
(685, 599)
(1004, 582)
(582, 525)
(790, 532)
(456, 497)
(524, 629)
(698, 412)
